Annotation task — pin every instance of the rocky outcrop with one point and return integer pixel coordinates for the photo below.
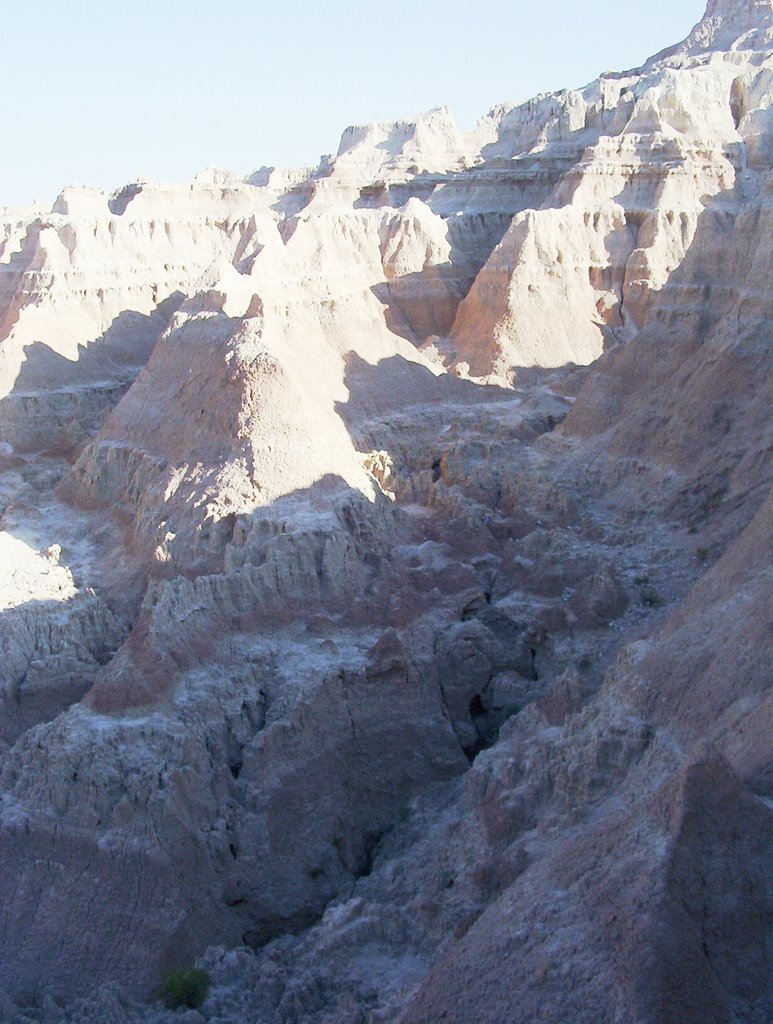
(358, 641)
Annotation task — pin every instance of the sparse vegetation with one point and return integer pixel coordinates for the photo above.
(184, 986)
(650, 598)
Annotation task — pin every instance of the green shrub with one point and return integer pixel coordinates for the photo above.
(184, 986)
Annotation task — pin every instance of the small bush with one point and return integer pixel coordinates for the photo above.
(184, 986)
(650, 598)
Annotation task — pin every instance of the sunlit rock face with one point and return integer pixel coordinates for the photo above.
(651, 148)
(357, 633)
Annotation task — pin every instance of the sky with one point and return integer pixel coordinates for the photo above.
(105, 93)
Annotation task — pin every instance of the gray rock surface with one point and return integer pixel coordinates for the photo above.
(360, 645)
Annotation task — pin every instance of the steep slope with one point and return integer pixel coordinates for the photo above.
(652, 147)
(424, 698)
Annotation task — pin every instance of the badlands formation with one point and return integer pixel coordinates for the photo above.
(387, 564)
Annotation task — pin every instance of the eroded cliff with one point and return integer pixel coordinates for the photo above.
(388, 569)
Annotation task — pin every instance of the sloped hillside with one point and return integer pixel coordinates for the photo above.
(386, 614)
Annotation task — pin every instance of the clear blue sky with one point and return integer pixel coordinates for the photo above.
(102, 93)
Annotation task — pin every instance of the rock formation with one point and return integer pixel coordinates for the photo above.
(386, 613)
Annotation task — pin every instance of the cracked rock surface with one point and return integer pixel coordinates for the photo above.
(388, 571)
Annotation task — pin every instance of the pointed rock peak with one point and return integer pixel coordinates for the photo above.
(737, 8)
(442, 113)
(732, 25)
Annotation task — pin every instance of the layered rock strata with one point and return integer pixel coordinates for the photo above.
(356, 639)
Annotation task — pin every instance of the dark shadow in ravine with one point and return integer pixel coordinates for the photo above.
(54, 650)
(186, 849)
(687, 399)
(424, 303)
(57, 403)
(234, 813)
(396, 385)
(397, 394)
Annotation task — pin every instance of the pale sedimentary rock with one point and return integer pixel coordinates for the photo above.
(349, 633)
